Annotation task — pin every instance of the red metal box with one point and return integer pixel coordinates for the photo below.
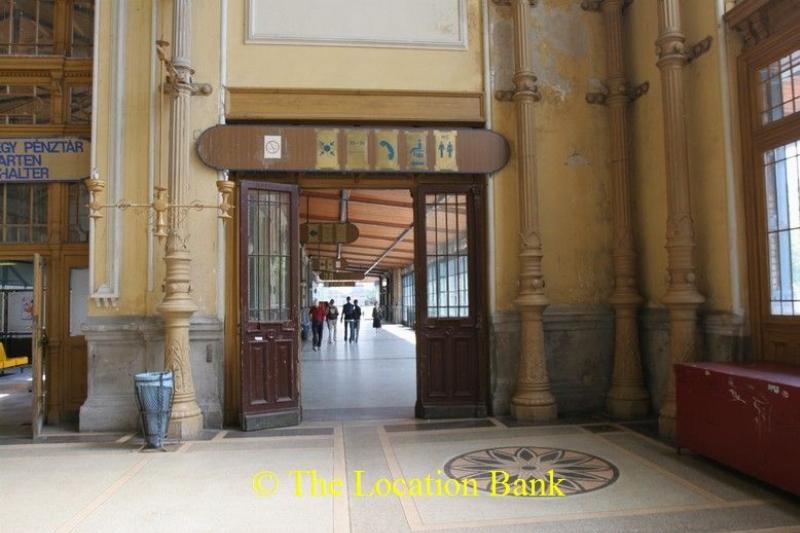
(744, 415)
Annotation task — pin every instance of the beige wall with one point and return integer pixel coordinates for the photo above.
(352, 67)
(572, 140)
(571, 153)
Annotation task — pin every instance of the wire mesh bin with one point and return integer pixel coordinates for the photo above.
(154, 391)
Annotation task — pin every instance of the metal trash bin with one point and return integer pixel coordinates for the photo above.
(154, 391)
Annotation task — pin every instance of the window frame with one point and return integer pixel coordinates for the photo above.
(758, 138)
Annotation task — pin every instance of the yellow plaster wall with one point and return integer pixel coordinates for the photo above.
(571, 154)
(136, 112)
(647, 151)
(352, 67)
(135, 299)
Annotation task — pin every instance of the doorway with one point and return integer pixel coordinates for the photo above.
(365, 364)
(296, 236)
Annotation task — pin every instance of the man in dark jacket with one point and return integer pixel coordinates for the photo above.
(354, 327)
(347, 317)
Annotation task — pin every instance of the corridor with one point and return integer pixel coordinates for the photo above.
(373, 378)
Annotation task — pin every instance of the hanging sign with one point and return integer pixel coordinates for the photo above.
(327, 264)
(46, 159)
(341, 276)
(328, 233)
(347, 150)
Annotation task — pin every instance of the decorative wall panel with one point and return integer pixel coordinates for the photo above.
(403, 23)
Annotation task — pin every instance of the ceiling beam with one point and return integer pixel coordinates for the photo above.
(357, 199)
(390, 248)
(358, 222)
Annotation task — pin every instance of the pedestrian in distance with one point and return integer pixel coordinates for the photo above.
(317, 314)
(332, 317)
(354, 328)
(376, 317)
(347, 317)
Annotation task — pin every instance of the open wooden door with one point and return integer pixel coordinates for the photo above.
(451, 351)
(38, 345)
(269, 288)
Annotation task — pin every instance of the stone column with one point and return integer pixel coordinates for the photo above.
(682, 297)
(533, 400)
(178, 307)
(628, 397)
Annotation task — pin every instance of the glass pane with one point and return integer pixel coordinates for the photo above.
(24, 104)
(80, 104)
(269, 256)
(78, 213)
(782, 185)
(82, 36)
(26, 27)
(780, 88)
(447, 255)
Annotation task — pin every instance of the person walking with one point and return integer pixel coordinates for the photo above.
(347, 318)
(376, 317)
(332, 317)
(317, 313)
(356, 322)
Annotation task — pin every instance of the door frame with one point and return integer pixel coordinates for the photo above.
(322, 181)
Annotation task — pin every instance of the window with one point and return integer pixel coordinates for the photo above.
(78, 205)
(82, 35)
(27, 27)
(779, 91)
(24, 104)
(80, 105)
(447, 255)
(268, 255)
(408, 303)
(23, 214)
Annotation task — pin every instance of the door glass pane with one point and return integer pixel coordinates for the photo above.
(779, 92)
(447, 256)
(268, 256)
(782, 185)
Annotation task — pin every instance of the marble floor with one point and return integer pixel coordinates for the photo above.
(615, 479)
(372, 378)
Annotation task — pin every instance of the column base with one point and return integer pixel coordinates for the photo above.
(628, 404)
(186, 422)
(534, 410)
(667, 423)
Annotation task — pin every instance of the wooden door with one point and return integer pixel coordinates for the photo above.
(269, 286)
(38, 346)
(451, 351)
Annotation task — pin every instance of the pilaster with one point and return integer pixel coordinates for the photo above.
(682, 297)
(533, 400)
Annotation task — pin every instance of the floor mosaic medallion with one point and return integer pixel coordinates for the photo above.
(581, 472)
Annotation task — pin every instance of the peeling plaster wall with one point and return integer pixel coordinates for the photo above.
(572, 154)
(568, 47)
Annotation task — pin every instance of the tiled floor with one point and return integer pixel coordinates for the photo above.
(210, 485)
(372, 378)
(359, 429)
